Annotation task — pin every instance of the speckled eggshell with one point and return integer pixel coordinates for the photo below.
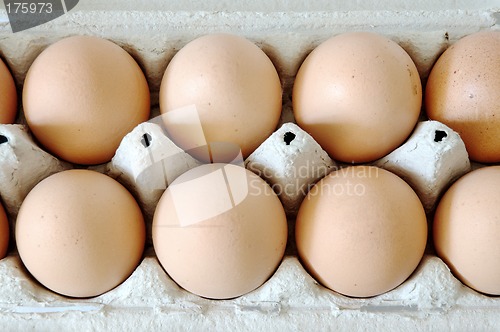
(467, 229)
(359, 95)
(463, 92)
(82, 95)
(361, 231)
(233, 85)
(80, 233)
(219, 231)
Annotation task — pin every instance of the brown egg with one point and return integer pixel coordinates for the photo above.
(80, 233)
(4, 232)
(82, 95)
(467, 229)
(361, 231)
(463, 92)
(234, 87)
(8, 95)
(219, 231)
(359, 95)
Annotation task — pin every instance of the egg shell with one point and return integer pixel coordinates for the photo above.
(219, 231)
(4, 232)
(466, 229)
(361, 231)
(8, 95)
(80, 233)
(233, 85)
(82, 95)
(463, 92)
(359, 95)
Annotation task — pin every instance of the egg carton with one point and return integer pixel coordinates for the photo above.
(431, 299)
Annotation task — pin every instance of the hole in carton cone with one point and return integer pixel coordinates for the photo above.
(146, 140)
(439, 135)
(289, 137)
(3, 139)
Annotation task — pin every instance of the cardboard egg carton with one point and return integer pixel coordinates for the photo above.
(431, 299)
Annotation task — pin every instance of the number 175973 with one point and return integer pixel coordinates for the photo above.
(29, 7)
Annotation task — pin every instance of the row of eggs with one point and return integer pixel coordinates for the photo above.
(83, 94)
(358, 94)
